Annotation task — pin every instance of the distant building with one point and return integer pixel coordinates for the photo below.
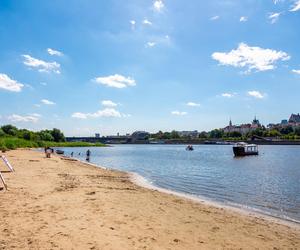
(191, 134)
(295, 118)
(293, 122)
(243, 128)
(97, 135)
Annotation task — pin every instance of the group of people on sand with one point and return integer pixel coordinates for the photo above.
(49, 151)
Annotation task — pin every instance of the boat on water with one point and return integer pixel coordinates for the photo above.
(189, 148)
(245, 149)
(59, 152)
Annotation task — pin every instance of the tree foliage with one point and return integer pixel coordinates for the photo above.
(45, 135)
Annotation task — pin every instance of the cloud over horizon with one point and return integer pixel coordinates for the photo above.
(40, 65)
(10, 84)
(256, 94)
(228, 95)
(251, 58)
(116, 81)
(178, 113)
(106, 112)
(158, 5)
(24, 118)
(47, 102)
(193, 104)
(296, 6)
(53, 52)
(109, 103)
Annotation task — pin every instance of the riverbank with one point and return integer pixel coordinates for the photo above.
(61, 203)
(8, 143)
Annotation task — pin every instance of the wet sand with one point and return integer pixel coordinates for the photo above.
(63, 204)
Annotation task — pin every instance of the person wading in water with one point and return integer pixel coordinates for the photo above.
(88, 154)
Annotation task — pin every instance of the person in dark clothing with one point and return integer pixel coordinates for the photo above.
(88, 154)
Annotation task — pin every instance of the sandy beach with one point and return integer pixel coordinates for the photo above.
(63, 204)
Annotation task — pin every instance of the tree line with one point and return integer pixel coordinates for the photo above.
(54, 135)
(287, 132)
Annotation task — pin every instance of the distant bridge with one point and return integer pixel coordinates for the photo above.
(106, 140)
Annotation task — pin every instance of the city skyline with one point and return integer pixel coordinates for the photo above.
(115, 66)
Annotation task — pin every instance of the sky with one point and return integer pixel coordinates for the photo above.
(115, 66)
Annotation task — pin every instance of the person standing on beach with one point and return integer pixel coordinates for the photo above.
(88, 154)
(72, 154)
(48, 152)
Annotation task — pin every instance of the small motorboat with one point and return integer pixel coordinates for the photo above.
(59, 152)
(189, 148)
(245, 149)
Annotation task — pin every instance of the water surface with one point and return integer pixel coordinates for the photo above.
(269, 183)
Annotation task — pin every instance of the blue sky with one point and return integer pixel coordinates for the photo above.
(120, 66)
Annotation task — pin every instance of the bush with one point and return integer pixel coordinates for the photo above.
(2, 133)
(9, 130)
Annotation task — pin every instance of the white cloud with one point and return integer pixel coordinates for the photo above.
(256, 94)
(10, 84)
(193, 104)
(107, 112)
(243, 19)
(26, 118)
(109, 103)
(228, 95)
(47, 102)
(214, 18)
(43, 83)
(150, 44)
(274, 17)
(116, 81)
(158, 5)
(41, 65)
(252, 58)
(79, 115)
(179, 113)
(296, 71)
(147, 22)
(53, 52)
(132, 22)
(296, 6)
(36, 115)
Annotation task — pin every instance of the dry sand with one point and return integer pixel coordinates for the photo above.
(62, 204)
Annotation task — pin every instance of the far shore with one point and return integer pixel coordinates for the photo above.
(61, 203)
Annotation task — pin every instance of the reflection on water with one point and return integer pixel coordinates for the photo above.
(269, 182)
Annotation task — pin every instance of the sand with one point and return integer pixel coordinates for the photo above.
(62, 204)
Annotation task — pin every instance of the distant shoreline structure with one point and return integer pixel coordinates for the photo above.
(285, 133)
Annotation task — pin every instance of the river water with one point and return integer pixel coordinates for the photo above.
(268, 183)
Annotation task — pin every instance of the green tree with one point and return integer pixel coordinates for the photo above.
(216, 133)
(273, 133)
(203, 135)
(234, 134)
(9, 130)
(286, 130)
(297, 131)
(2, 133)
(175, 135)
(58, 135)
(45, 135)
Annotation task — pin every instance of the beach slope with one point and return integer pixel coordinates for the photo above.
(63, 204)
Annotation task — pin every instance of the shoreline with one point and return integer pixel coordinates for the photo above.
(242, 209)
(63, 203)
